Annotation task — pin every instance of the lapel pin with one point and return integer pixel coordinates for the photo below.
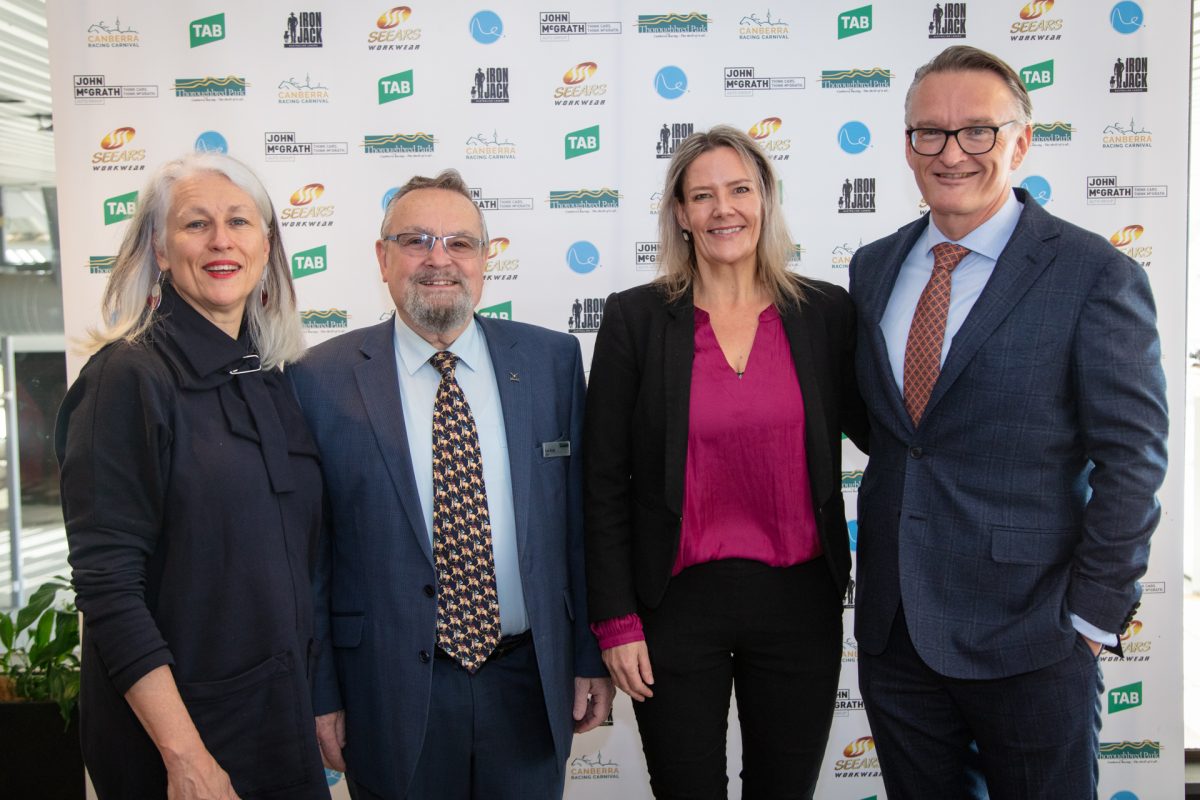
(514, 377)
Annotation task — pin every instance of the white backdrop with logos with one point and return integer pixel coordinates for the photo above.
(563, 121)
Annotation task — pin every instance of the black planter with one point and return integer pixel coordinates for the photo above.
(41, 758)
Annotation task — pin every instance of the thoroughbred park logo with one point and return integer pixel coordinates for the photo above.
(873, 79)
(673, 25)
(1057, 133)
(101, 265)
(392, 31)
(399, 144)
(1143, 752)
(585, 199)
(326, 320)
(115, 155)
(210, 88)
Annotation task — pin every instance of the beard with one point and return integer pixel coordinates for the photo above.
(445, 315)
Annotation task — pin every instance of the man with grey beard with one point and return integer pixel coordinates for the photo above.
(453, 657)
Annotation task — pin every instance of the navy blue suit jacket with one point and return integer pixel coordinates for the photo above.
(376, 602)
(1028, 491)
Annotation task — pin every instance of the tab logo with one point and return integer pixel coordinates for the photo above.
(207, 30)
(498, 311)
(855, 21)
(1038, 76)
(395, 87)
(1125, 697)
(581, 142)
(119, 208)
(309, 262)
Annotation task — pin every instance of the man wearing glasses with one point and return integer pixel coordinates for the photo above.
(1010, 364)
(454, 658)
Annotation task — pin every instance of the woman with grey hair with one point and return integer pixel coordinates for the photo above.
(192, 498)
(717, 546)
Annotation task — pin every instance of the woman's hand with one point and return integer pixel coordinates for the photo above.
(629, 665)
(198, 777)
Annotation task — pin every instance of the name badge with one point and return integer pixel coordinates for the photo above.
(556, 449)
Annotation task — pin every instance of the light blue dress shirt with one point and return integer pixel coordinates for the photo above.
(986, 243)
(475, 375)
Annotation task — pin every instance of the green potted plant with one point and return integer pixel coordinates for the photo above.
(39, 685)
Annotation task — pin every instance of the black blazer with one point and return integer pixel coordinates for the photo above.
(636, 431)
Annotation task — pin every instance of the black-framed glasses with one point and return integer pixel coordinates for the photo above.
(974, 140)
(456, 245)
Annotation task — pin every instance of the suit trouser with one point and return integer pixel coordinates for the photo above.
(773, 633)
(1034, 735)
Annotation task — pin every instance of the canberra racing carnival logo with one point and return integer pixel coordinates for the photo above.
(578, 88)
(842, 254)
(1052, 134)
(874, 79)
(758, 26)
(94, 90)
(303, 210)
(594, 768)
(498, 268)
(1034, 25)
(764, 132)
(392, 31)
(557, 26)
(420, 145)
(115, 155)
(1131, 136)
(101, 34)
(292, 91)
(859, 760)
(673, 25)
(490, 85)
(303, 30)
(948, 21)
(231, 87)
(584, 199)
(325, 321)
(493, 147)
(1143, 752)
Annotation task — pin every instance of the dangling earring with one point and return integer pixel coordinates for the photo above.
(687, 235)
(263, 296)
(155, 297)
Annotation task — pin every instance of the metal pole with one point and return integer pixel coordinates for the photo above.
(12, 453)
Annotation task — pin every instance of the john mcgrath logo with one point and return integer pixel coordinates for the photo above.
(673, 25)
(1039, 189)
(115, 155)
(857, 197)
(763, 25)
(670, 136)
(303, 30)
(498, 311)
(1130, 75)
(873, 79)
(842, 254)
(948, 21)
(206, 30)
(585, 199)
(854, 22)
(766, 133)
(744, 82)
(325, 320)
(1127, 17)
(231, 87)
(583, 257)
(392, 31)
(500, 203)
(93, 90)
(309, 262)
(594, 768)
(490, 85)
(645, 256)
(1126, 752)
(498, 266)
(101, 34)
(854, 137)
(399, 144)
(579, 87)
(492, 147)
(557, 26)
(303, 210)
(1128, 137)
(306, 91)
(121, 207)
(859, 760)
(1052, 134)
(101, 265)
(670, 82)
(396, 86)
(846, 702)
(286, 146)
(1127, 240)
(486, 27)
(1123, 698)
(586, 315)
(1038, 76)
(1108, 189)
(581, 142)
(1036, 24)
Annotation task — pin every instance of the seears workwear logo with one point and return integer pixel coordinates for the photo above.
(1035, 24)
(392, 31)
(115, 154)
(579, 87)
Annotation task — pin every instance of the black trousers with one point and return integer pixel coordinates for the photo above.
(772, 633)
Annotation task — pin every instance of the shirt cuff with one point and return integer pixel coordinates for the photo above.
(618, 630)
(1092, 632)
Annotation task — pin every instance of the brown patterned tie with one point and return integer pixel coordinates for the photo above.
(923, 354)
(468, 611)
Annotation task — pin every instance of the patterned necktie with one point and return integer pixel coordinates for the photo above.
(923, 354)
(468, 611)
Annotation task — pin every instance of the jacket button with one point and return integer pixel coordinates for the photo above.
(428, 590)
(424, 656)
(915, 452)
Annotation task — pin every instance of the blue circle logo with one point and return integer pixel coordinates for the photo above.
(583, 257)
(1126, 17)
(670, 82)
(852, 530)
(1038, 188)
(211, 142)
(332, 778)
(486, 27)
(1124, 795)
(854, 137)
(388, 195)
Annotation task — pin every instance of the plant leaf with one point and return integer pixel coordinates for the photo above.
(45, 629)
(6, 631)
(42, 599)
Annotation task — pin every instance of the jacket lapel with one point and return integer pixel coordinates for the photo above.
(679, 348)
(805, 335)
(514, 381)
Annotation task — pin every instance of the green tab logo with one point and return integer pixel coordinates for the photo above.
(1124, 697)
(582, 142)
(854, 22)
(121, 207)
(498, 311)
(207, 30)
(308, 262)
(395, 87)
(1038, 76)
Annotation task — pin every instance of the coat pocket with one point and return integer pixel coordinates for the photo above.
(1033, 547)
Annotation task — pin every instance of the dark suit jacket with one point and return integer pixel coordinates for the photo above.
(376, 598)
(1028, 491)
(635, 437)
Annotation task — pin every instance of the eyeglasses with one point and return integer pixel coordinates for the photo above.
(456, 245)
(974, 140)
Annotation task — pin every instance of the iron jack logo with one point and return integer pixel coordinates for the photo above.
(326, 320)
(210, 88)
(1123, 698)
(670, 136)
(586, 315)
(764, 132)
(1143, 752)
(857, 197)
(101, 265)
(392, 31)
(674, 25)
(756, 26)
(115, 155)
(399, 144)
(1038, 76)
(499, 203)
(498, 311)
(594, 768)
(491, 147)
(1129, 136)
(286, 146)
(121, 207)
(303, 210)
(1106, 190)
(93, 90)
(1130, 75)
(848, 595)
(842, 254)
(101, 34)
(396, 86)
(743, 82)
(490, 85)
(309, 262)
(557, 26)
(206, 30)
(1052, 134)
(497, 267)
(585, 199)
(302, 92)
(874, 79)
(859, 760)
(846, 702)
(303, 30)
(855, 21)
(578, 88)
(581, 142)
(645, 256)
(1034, 25)
(948, 21)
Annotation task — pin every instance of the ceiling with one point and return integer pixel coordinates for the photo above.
(26, 151)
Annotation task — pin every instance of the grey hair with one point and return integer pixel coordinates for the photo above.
(275, 329)
(963, 58)
(448, 179)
